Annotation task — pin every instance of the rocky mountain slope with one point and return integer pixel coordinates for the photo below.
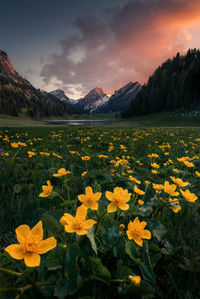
(121, 99)
(94, 99)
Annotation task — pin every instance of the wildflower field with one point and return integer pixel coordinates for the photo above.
(99, 213)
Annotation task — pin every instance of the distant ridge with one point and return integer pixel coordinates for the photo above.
(17, 95)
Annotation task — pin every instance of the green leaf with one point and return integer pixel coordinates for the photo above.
(69, 284)
(132, 251)
(55, 258)
(64, 287)
(159, 232)
(90, 236)
(99, 270)
(123, 272)
(111, 236)
(52, 225)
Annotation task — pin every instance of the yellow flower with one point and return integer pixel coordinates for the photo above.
(61, 172)
(135, 180)
(31, 244)
(55, 155)
(46, 190)
(182, 159)
(175, 205)
(170, 189)
(85, 158)
(189, 196)
(140, 202)
(137, 232)
(22, 144)
(89, 199)
(31, 154)
(119, 199)
(102, 156)
(135, 280)
(179, 182)
(158, 187)
(154, 171)
(188, 164)
(197, 173)
(122, 226)
(153, 156)
(147, 182)
(14, 144)
(155, 165)
(77, 224)
(138, 191)
(84, 173)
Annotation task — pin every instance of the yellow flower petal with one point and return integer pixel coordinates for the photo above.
(138, 241)
(123, 206)
(82, 197)
(81, 232)
(22, 232)
(32, 259)
(37, 231)
(88, 191)
(69, 229)
(88, 223)
(94, 206)
(109, 195)
(16, 251)
(81, 212)
(146, 234)
(67, 219)
(46, 245)
(111, 208)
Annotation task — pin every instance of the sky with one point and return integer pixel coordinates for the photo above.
(77, 45)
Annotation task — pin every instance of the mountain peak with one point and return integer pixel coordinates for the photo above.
(5, 64)
(60, 94)
(97, 91)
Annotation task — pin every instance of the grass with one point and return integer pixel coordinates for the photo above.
(125, 152)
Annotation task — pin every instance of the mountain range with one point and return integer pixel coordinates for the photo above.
(18, 95)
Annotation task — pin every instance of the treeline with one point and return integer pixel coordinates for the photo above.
(18, 95)
(174, 85)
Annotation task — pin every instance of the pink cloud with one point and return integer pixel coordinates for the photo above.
(127, 46)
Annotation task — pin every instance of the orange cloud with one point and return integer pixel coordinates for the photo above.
(127, 46)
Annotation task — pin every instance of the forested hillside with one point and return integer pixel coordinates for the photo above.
(174, 85)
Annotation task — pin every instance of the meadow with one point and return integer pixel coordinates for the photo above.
(118, 209)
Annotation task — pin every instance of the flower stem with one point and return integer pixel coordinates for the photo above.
(10, 272)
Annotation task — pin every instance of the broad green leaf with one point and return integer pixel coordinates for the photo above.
(132, 251)
(111, 236)
(99, 270)
(55, 258)
(51, 225)
(159, 232)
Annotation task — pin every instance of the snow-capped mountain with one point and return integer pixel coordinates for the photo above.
(93, 100)
(121, 99)
(60, 94)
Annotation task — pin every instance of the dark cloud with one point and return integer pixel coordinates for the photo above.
(127, 45)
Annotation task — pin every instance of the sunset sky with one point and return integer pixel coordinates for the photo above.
(77, 45)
